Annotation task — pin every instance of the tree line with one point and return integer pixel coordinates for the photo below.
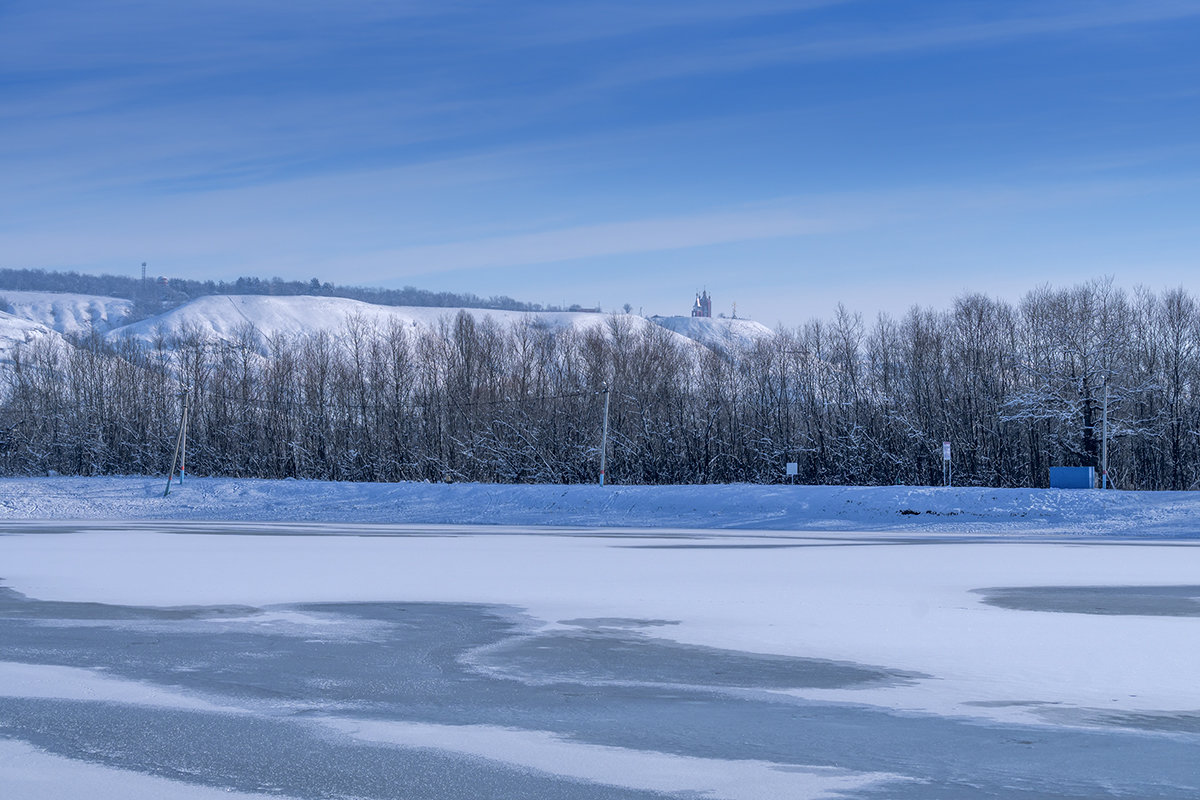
(1015, 387)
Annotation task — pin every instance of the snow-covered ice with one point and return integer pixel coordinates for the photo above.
(1007, 644)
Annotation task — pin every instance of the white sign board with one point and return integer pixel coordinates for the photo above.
(793, 468)
(945, 451)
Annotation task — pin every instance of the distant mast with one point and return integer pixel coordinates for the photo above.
(703, 305)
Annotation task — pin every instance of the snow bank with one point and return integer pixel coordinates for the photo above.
(738, 506)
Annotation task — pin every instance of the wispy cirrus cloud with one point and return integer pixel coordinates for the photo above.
(565, 23)
(612, 238)
(832, 213)
(831, 43)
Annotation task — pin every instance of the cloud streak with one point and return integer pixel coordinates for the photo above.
(611, 239)
(834, 213)
(757, 52)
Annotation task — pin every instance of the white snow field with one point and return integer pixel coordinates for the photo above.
(741, 642)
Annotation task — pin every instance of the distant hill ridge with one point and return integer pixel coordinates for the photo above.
(26, 316)
(154, 295)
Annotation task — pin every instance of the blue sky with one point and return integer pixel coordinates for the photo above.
(788, 156)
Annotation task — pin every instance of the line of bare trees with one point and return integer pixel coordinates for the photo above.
(1016, 388)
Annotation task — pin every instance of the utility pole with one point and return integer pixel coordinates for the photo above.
(1104, 441)
(604, 437)
(187, 395)
(180, 443)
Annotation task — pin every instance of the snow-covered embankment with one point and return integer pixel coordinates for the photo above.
(739, 506)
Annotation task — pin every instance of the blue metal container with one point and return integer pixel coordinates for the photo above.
(1072, 477)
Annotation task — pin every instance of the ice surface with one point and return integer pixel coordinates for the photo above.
(374, 661)
(742, 779)
(728, 641)
(27, 773)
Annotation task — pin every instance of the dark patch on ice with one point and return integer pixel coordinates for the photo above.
(617, 622)
(1156, 721)
(741, 546)
(1155, 601)
(16, 605)
(616, 657)
(1007, 703)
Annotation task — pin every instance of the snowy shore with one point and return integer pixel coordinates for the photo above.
(738, 507)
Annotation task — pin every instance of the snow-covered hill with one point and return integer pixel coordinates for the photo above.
(718, 333)
(224, 317)
(15, 331)
(67, 313)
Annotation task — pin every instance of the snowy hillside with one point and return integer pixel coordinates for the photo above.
(15, 331)
(717, 333)
(221, 317)
(68, 313)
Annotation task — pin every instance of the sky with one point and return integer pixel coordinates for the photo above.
(785, 156)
